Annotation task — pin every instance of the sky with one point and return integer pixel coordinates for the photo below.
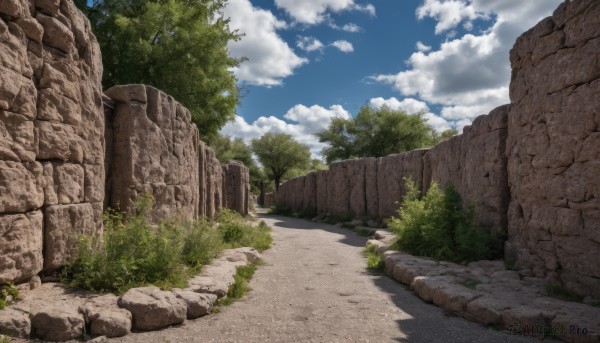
(309, 61)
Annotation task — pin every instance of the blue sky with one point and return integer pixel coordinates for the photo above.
(312, 60)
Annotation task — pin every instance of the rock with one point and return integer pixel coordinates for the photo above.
(57, 324)
(105, 317)
(63, 224)
(152, 308)
(21, 185)
(310, 191)
(241, 254)
(486, 310)
(236, 181)
(198, 304)
(15, 323)
(20, 246)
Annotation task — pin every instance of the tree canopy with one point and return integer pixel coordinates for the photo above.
(377, 133)
(279, 154)
(178, 46)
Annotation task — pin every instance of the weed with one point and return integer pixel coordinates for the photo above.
(281, 211)
(8, 294)
(436, 225)
(364, 231)
(348, 226)
(510, 264)
(240, 287)
(374, 261)
(470, 283)
(308, 212)
(4, 339)
(556, 290)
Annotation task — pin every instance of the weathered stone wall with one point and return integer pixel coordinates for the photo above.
(269, 200)
(236, 186)
(554, 148)
(154, 151)
(51, 135)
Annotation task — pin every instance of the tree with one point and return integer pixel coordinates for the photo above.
(279, 153)
(440, 137)
(178, 46)
(375, 133)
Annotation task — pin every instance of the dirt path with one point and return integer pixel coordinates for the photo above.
(315, 288)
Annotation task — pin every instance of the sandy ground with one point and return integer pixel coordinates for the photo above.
(315, 288)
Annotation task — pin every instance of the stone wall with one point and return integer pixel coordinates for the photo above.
(554, 148)
(372, 188)
(236, 186)
(51, 135)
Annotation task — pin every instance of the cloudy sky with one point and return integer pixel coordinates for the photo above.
(312, 60)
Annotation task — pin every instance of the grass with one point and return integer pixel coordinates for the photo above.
(8, 294)
(436, 225)
(134, 253)
(348, 226)
(308, 213)
(374, 261)
(471, 283)
(364, 231)
(240, 287)
(280, 211)
(556, 290)
(4, 339)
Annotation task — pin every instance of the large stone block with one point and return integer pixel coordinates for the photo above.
(310, 191)
(357, 184)
(21, 186)
(20, 246)
(338, 190)
(63, 225)
(322, 193)
(235, 186)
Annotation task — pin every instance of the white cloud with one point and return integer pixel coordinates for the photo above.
(469, 75)
(343, 46)
(309, 44)
(304, 122)
(412, 106)
(351, 27)
(422, 47)
(270, 59)
(313, 12)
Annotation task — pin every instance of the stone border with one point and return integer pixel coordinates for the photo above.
(487, 293)
(69, 313)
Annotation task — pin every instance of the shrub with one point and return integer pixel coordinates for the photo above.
(436, 225)
(280, 211)
(308, 212)
(135, 253)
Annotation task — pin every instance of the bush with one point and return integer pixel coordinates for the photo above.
(135, 253)
(436, 225)
(280, 211)
(308, 212)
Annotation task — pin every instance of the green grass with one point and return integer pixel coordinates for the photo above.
(374, 261)
(135, 253)
(280, 211)
(471, 283)
(348, 226)
(240, 287)
(437, 226)
(4, 339)
(8, 294)
(556, 290)
(308, 213)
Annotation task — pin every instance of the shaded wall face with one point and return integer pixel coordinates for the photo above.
(554, 148)
(51, 135)
(236, 184)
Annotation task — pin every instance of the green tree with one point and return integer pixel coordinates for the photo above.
(375, 133)
(439, 137)
(279, 153)
(178, 46)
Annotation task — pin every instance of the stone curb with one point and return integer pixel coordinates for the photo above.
(139, 309)
(487, 293)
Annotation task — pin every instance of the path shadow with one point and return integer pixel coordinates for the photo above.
(429, 323)
(350, 237)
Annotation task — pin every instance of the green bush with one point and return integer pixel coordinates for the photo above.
(134, 253)
(308, 212)
(280, 211)
(436, 225)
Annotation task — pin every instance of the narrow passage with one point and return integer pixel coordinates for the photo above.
(315, 288)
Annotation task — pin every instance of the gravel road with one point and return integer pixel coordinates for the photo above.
(315, 288)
